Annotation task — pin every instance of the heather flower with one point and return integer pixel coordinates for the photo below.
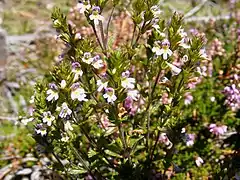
(82, 7)
(174, 69)
(165, 99)
(78, 93)
(232, 94)
(48, 118)
(76, 69)
(164, 139)
(95, 16)
(165, 51)
(68, 126)
(52, 93)
(87, 58)
(134, 94)
(64, 110)
(188, 98)
(199, 161)
(190, 139)
(128, 103)
(97, 62)
(110, 95)
(101, 85)
(127, 82)
(217, 130)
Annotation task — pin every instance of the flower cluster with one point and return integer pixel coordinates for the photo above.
(217, 130)
(232, 94)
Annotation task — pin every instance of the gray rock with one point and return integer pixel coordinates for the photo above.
(3, 48)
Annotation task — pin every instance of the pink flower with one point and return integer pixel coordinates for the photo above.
(188, 98)
(217, 130)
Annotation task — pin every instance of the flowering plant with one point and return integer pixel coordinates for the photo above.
(113, 113)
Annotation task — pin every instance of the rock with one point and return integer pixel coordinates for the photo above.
(3, 48)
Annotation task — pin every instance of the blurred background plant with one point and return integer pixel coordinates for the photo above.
(208, 108)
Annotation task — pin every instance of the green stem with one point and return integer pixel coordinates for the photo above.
(107, 31)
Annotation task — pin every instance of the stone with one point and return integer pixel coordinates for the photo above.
(3, 48)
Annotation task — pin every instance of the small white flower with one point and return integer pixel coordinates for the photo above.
(83, 7)
(156, 11)
(63, 84)
(128, 83)
(31, 101)
(199, 161)
(64, 110)
(110, 95)
(68, 126)
(185, 58)
(101, 85)
(183, 130)
(164, 139)
(212, 99)
(52, 95)
(134, 94)
(41, 131)
(27, 120)
(97, 63)
(87, 58)
(174, 69)
(95, 16)
(48, 118)
(79, 94)
(78, 36)
(165, 51)
(76, 69)
(64, 138)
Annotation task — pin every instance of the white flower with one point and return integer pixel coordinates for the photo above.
(212, 98)
(41, 131)
(79, 94)
(199, 161)
(83, 7)
(183, 130)
(110, 95)
(68, 126)
(64, 110)
(156, 11)
(134, 94)
(48, 118)
(175, 70)
(63, 84)
(87, 58)
(164, 139)
(101, 85)
(52, 95)
(128, 83)
(77, 36)
(76, 69)
(97, 63)
(31, 101)
(96, 18)
(27, 120)
(64, 138)
(165, 51)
